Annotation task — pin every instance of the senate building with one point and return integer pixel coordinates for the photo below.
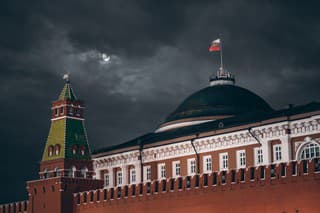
(223, 149)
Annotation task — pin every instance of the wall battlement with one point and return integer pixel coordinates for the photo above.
(273, 175)
(15, 207)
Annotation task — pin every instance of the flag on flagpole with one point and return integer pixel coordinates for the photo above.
(215, 45)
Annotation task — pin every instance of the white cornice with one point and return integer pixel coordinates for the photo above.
(71, 117)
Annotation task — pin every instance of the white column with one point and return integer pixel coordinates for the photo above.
(124, 175)
(111, 177)
(286, 149)
(137, 166)
(266, 152)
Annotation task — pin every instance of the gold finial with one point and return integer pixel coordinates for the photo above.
(66, 77)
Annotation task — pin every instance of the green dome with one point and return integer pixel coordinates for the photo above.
(219, 100)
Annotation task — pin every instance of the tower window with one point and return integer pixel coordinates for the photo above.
(83, 150)
(45, 173)
(56, 172)
(50, 151)
(73, 171)
(147, 173)
(74, 149)
(107, 180)
(309, 151)
(61, 110)
(258, 156)
(56, 112)
(84, 172)
(57, 149)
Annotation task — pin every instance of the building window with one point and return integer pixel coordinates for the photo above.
(56, 112)
(311, 150)
(132, 176)
(106, 180)
(162, 170)
(191, 166)
(176, 169)
(147, 173)
(277, 153)
(207, 164)
(258, 156)
(224, 161)
(241, 158)
(119, 178)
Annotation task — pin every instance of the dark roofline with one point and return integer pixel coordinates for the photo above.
(223, 124)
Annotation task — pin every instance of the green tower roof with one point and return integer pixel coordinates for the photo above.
(67, 93)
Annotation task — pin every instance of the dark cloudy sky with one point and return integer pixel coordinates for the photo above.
(159, 55)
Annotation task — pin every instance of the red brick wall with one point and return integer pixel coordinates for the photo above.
(280, 194)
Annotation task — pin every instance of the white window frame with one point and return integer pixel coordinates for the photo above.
(241, 159)
(119, 178)
(176, 166)
(277, 153)
(207, 164)
(161, 171)
(133, 176)
(191, 162)
(224, 161)
(258, 156)
(147, 173)
(107, 180)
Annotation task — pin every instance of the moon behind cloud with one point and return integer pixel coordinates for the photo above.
(105, 57)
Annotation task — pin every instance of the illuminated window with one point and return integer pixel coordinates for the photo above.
(50, 151)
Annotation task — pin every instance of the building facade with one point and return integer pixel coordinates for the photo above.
(223, 149)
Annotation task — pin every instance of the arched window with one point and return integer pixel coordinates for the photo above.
(84, 172)
(74, 149)
(83, 150)
(50, 151)
(309, 151)
(57, 149)
(56, 172)
(73, 171)
(45, 173)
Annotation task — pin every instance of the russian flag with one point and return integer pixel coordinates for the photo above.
(215, 45)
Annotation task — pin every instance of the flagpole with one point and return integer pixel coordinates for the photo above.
(221, 61)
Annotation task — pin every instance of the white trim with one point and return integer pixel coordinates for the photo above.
(63, 117)
(182, 124)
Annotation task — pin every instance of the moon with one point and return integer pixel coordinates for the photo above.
(105, 57)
